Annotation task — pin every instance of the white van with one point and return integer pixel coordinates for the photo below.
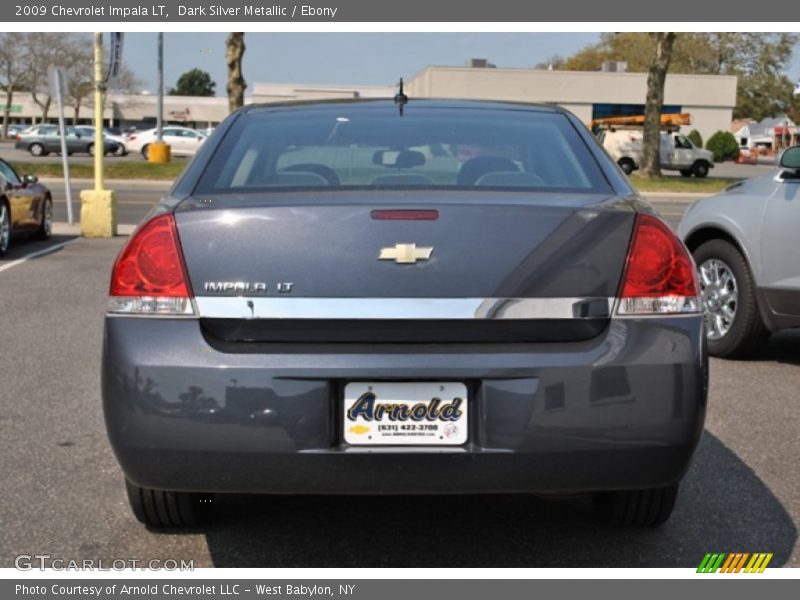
(677, 152)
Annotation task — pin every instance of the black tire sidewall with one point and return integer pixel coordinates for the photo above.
(700, 169)
(3, 202)
(42, 232)
(747, 329)
(627, 166)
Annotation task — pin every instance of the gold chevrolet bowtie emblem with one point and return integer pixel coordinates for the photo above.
(406, 253)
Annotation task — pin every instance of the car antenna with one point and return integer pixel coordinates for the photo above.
(400, 98)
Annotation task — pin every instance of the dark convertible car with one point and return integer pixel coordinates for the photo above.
(380, 297)
(25, 206)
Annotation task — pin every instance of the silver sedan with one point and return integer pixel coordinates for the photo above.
(744, 242)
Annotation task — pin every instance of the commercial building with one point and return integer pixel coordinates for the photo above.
(771, 134)
(709, 99)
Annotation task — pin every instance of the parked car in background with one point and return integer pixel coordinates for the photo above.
(678, 153)
(14, 130)
(41, 140)
(457, 297)
(744, 242)
(182, 140)
(120, 141)
(26, 206)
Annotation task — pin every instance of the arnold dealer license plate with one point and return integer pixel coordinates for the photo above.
(395, 414)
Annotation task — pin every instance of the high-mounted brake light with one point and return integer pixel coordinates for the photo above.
(405, 215)
(660, 276)
(149, 276)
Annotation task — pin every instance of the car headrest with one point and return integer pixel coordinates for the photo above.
(404, 159)
(477, 167)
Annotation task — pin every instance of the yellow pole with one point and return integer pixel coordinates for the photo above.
(98, 206)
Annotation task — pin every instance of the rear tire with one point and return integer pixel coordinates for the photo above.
(686, 172)
(700, 169)
(636, 508)
(627, 166)
(5, 227)
(146, 152)
(746, 332)
(37, 149)
(161, 509)
(90, 149)
(46, 226)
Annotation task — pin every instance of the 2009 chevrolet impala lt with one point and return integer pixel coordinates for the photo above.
(408, 297)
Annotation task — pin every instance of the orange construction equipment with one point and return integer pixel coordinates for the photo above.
(667, 121)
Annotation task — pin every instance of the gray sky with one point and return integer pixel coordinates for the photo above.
(346, 58)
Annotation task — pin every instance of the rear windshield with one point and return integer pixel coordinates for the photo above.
(377, 148)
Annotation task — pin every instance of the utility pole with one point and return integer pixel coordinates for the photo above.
(99, 90)
(159, 151)
(160, 124)
(98, 206)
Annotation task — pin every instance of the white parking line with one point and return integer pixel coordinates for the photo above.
(41, 252)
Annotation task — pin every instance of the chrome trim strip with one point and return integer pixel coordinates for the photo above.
(240, 307)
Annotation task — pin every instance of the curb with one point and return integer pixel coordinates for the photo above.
(159, 183)
(75, 229)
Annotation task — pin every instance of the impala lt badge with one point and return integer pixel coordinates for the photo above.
(245, 287)
(406, 253)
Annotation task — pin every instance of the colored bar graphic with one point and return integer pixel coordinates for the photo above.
(734, 562)
(740, 565)
(703, 563)
(718, 563)
(727, 566)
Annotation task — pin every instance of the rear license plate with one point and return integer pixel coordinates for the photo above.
(400, 414)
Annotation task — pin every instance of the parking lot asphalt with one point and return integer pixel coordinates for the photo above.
(63, 493)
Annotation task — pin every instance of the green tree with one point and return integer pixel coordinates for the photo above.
(723, 145)
(195, 82)
(794, 110)
(758, 60)
(696, 138)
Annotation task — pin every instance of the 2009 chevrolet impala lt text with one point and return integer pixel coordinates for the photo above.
(408, 297)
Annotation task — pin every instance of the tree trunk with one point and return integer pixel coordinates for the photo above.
(7, 110)
(44, 106)
(234, 51)
(651, 137)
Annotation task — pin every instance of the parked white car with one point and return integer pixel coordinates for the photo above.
(182, 140)
(120, 141)
(678, 153)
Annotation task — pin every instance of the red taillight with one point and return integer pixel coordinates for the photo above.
(149, 275)
(659, 275)
(405, 215)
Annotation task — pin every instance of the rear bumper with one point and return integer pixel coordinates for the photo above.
(623, 410)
